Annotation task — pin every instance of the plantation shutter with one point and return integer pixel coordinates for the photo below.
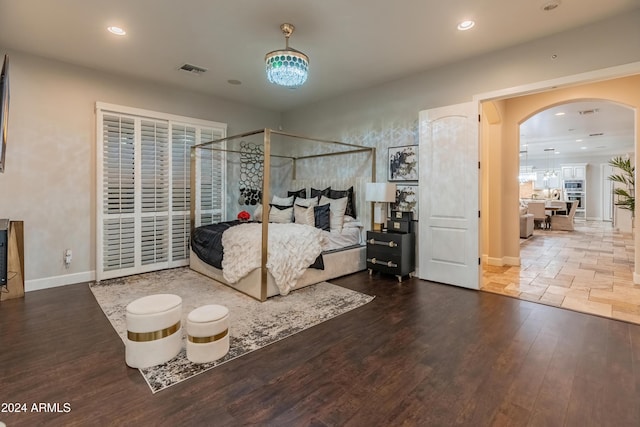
(144, 188)
(182, 139)
(118, 192)
(212, 186)
(154, 174)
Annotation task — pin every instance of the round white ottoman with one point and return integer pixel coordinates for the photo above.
(207, 333)
(154, 330)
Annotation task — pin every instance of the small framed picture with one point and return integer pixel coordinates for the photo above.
(403, 163)
(406, 199)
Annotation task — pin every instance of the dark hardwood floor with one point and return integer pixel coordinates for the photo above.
(419, 354)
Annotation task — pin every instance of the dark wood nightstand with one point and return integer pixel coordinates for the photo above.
(392, 253)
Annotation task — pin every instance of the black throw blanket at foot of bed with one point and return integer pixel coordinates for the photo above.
(206, 242)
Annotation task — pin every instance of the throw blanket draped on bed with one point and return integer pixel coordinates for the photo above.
(206, 242)
(292, 248)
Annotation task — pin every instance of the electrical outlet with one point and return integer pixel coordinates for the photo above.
(67, 256)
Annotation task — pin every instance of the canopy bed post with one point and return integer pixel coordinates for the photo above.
(266, 180)
(293, 173)
(373, 179)
(192, 190)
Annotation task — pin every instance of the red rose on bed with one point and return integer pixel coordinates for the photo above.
(244, 216)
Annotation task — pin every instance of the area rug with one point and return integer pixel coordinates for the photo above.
(253, 324)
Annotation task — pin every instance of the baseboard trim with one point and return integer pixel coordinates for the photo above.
(512, 260)
(55, 281)
(492, 261)
(501, 262)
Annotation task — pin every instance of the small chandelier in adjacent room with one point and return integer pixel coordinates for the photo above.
(551, 170)
(288, 67)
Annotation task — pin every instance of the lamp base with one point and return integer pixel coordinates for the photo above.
(377, 226)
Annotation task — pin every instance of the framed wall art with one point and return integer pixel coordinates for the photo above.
(403, 163)
(406, 199)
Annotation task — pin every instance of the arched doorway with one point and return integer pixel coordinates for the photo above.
(501, 149)
(583, 134)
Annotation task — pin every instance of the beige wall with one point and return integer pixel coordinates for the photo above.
(625, 91)
(492, 184)
(50, 161)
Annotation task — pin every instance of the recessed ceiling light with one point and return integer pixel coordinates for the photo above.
(116, 30)
(557, 152)
(583, 148)
(560, 114)
(578, 140)
(466, 25)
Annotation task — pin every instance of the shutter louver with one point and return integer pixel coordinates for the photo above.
(182, 139)
(154, 240)
(118, 165)
(119, 243)
(154, 170)
(180, 231)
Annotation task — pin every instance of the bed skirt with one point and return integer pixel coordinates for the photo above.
(336, 264)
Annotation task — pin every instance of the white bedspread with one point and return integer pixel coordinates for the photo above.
(292, 248)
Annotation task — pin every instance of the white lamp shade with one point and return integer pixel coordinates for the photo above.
(380, 192)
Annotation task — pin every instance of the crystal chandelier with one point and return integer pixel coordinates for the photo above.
(288, 67)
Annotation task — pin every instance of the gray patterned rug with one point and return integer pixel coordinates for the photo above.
(252, 324)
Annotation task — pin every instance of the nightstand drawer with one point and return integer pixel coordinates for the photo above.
(384, 255)
(384, 266)
(388, 240)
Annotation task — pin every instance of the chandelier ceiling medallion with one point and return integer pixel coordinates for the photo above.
(288, 67)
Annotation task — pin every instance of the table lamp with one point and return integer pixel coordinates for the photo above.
(380, 193)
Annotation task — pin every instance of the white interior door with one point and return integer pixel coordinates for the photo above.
(448, 238)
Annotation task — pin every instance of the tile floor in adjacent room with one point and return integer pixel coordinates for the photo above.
(589, 269)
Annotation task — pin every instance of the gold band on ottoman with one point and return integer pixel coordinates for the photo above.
(204, 340)
(152, 336)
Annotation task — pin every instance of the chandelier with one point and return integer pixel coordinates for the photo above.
(551, 170)
(526, 173)
(288, 67)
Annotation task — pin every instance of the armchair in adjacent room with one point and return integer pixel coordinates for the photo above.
(565, 222)
(526, 225)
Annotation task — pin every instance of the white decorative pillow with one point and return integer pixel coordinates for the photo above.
(307, 203)
(257, 214)
(337, 209)
(282, 201)
(351, 224)
(303, 215)
(280, 215)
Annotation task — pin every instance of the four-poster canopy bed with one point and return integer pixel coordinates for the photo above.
(339, 254)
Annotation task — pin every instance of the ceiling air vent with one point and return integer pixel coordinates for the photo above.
(587, 112)
(596, 134)
(194, 69)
